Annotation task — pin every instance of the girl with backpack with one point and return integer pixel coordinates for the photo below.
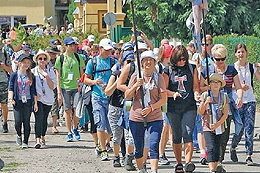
(45, 83)
(213, 131)
(181, 79)
(246, 71)
(22, 95)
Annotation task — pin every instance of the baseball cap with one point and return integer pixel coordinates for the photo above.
(53, 49)
(106, 44)
(167, 51)
(23, 56)
(141, 45)
(91, 38)
(147, 54)
(127, 45)
(26, 47)
(127, 55)
(68, 41)
(76, 40)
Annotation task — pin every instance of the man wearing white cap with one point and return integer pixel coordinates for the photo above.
(98, 72)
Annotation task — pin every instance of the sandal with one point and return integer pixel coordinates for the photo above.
(179, 168)
(54, 130)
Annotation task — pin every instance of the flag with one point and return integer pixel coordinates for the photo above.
(125, 1)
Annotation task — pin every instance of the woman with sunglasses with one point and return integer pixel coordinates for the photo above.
(45, 83)
(182, 86)
(246, 71)
(230, 76)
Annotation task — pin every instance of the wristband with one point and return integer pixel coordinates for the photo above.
(152, 108)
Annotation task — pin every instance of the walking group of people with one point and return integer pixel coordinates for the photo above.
(139, 107)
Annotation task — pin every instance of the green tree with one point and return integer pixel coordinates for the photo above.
(72, 8)
(224, 17)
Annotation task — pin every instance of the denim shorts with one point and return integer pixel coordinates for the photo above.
(165, 119)
(69, 98)
(100, 111)
(199, 123)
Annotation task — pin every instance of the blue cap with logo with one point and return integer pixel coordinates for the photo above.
(69, 41)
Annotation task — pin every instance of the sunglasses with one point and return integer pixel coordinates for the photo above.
(204, 44)
(220, 59)
(182, 59)
(42, 59)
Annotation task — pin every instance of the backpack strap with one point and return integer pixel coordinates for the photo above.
(61, 63)
(94, 63)
(77, 57)
(251, 68)
(62, 60)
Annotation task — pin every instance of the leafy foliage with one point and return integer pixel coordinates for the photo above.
(72, 7)
(224, 17)
(37, 43)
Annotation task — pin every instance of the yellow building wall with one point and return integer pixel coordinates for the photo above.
(49, 10)
(92, 16)
(34, 10)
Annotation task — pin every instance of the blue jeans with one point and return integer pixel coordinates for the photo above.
(154, 130)
(247, 114)
(100, 111)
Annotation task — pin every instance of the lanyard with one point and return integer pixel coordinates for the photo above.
(216, 110)
(23, 83)
(41, 79)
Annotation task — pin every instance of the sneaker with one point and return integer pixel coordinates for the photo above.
(219, 168)
(179, 167)
(19, 140)
(233, 154)
(144, 166)
(37, 145)
(249, 162)
(104, 156)
(98, 150)
(129, 166)
(76, 133)
(163, 161)
(123, 161)
(189, 167)
(70, 137)
(5, 127)
(117, 162)
(43, 144)
(142, 171)
(203, 161)
(25, 146)
(109, 148)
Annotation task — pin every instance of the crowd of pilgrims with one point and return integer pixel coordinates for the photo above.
(97, 88)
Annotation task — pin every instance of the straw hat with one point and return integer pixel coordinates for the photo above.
(217, 77)
(41, 52)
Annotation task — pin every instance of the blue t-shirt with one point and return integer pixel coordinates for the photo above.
(101, 64)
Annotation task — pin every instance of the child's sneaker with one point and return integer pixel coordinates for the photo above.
(98, 150)
(249, 161)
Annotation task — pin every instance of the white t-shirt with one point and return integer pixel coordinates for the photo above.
(244, 75)
(43, 90)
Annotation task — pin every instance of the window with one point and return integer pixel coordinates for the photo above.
(102, 27)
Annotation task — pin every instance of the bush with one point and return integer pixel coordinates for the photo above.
(37, 43)
(253, 47)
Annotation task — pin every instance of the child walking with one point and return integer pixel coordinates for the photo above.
(21, 95)
(213, 130)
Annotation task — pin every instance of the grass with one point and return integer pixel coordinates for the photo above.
(9, 167)
(8, 149)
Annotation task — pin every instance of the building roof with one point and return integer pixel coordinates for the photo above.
(76, 11)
